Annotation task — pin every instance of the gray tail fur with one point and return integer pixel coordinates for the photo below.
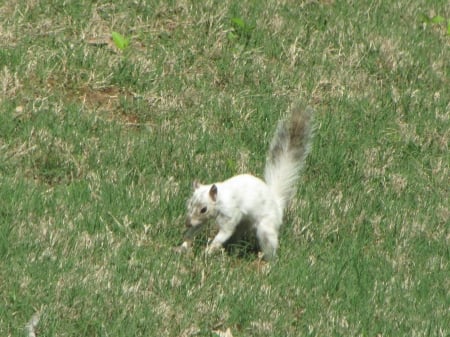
(288, 150)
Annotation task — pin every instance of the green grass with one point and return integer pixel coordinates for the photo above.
(99, 147)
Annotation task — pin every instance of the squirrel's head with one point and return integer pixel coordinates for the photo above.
(200, 207)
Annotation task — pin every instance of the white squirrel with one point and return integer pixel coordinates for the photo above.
(249, 201)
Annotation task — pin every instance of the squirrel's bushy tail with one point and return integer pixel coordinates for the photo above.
(288, 150)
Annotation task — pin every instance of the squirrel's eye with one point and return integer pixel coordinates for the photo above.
(203, 210)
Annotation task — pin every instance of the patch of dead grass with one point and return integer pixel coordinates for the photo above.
(10, 84)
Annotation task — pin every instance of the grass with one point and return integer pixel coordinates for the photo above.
(99, 147)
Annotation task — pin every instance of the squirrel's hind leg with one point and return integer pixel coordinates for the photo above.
(267, 235)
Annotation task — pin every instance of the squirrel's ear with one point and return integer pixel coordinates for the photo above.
(196, 184)
(213, 192)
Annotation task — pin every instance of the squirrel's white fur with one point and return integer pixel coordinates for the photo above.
(245, 199)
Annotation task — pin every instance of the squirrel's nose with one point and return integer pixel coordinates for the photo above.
(188, 223)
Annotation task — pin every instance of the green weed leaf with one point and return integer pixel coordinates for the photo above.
(241, 30)
(438, 19)
(120, 41)
(239, 23)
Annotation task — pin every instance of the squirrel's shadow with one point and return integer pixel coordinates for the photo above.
(243, 243)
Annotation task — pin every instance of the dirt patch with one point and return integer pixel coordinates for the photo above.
(109, 100)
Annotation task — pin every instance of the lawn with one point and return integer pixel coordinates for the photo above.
(100, 143)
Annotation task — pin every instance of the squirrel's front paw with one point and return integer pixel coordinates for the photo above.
(185, 247)
(213, 248)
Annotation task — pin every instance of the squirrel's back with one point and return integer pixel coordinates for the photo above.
(288, 150)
